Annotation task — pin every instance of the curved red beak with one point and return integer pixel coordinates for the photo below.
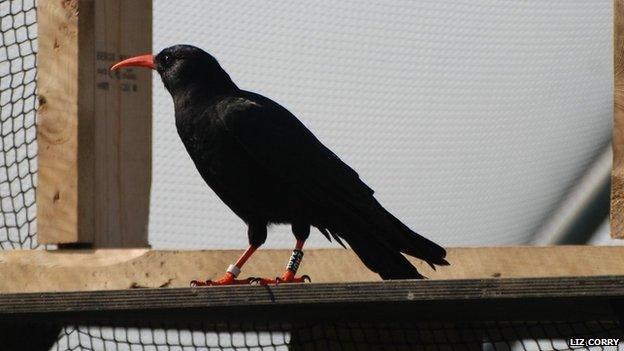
(136, 61)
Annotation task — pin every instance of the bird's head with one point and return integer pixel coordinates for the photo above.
(183, 68)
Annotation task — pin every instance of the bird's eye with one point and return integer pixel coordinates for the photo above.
(167, 59)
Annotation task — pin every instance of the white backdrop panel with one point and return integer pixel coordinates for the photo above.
(470, 119)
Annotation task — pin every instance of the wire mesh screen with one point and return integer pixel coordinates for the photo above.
(500, 336)
(18, 162)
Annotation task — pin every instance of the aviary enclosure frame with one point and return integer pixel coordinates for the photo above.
(88, 182)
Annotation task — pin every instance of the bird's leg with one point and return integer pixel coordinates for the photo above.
(291, 269)
(232, 272)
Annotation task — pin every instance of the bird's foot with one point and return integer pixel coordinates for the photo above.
(228, 279)
(287, 277)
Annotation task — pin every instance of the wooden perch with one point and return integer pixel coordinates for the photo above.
(507, 299)
(38, 270)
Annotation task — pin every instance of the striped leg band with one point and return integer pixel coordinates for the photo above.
(295, 260)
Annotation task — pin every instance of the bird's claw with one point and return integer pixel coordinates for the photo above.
(285, 279)
(226, 280)
(304, 278)
(255, 280)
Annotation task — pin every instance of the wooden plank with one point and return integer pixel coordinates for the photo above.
(617, 175)
(429, 299)
(94, 126)
(38, 270)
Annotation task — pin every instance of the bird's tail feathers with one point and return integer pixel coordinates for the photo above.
(379, 239)
(410, 242)
(378, 257)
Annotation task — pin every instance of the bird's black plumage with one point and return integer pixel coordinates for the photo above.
(269, 168)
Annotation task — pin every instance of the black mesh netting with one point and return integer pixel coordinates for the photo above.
(18, 159)
(343, 336)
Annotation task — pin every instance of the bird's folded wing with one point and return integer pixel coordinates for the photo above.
(279, 141)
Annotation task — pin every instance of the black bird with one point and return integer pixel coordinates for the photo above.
(269, 168)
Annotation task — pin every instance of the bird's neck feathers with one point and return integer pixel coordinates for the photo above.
(200, 93)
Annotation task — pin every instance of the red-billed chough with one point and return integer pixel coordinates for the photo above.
(269, 168)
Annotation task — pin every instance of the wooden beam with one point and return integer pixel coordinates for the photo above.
(94, 126)
(580, 298)
(38, 270)
(617, 175)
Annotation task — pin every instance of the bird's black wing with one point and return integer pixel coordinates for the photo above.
(280, 142)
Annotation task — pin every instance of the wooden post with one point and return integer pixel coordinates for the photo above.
(617, 175)
(94, 125)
